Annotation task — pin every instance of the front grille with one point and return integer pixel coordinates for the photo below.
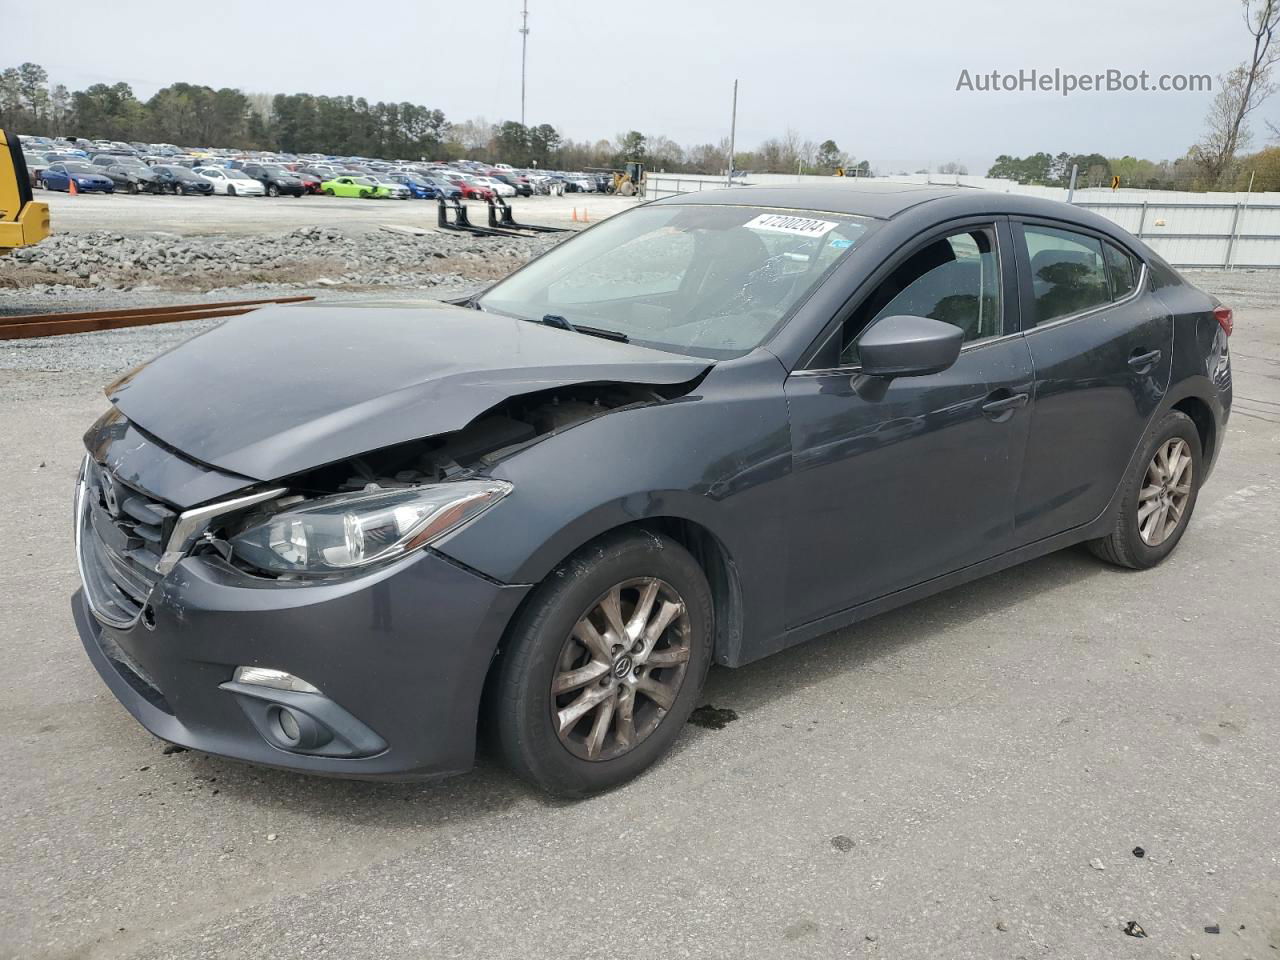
(122, 537)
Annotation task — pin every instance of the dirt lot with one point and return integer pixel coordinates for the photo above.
(966, 777)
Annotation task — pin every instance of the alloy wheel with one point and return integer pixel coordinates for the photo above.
(1162, 501)
(621, 669)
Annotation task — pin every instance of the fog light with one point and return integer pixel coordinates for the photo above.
(288, 725)
(294, 729)
(265, 677)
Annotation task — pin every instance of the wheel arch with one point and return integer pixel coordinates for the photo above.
(1202, 416)
(708, 549)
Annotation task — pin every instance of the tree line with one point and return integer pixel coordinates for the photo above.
(194, 115)
(1219, 160)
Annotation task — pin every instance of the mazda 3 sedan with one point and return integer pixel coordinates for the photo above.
(343, 539)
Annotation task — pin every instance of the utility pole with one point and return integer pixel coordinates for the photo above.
(733, 131)
(524, 54)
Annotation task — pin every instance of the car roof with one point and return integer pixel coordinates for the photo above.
(884, 201)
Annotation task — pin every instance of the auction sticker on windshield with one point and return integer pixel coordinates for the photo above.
(799, 226)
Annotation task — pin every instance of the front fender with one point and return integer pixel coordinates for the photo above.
(719, 458)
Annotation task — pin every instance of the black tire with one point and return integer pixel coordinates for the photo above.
(273, 190)
(522, 697)
(135, 188)
(1125, 546)
(328, 191)
(231, 191)
(179, 190)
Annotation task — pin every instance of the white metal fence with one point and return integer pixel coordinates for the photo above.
(1206, 230)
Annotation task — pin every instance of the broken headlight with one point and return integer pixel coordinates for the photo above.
(333, 534)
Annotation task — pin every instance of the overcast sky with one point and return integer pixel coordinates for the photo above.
(878, 78)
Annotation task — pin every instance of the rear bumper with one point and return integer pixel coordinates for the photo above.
(400, 654)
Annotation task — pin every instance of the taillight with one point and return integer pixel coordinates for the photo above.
(1225, 319)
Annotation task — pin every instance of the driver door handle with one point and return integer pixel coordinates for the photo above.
(995, 409)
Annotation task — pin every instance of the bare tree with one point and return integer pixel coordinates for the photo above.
(1241, 91)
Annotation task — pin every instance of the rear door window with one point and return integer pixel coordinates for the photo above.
(1068, 274)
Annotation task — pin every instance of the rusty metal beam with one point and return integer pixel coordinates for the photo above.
(29, 326)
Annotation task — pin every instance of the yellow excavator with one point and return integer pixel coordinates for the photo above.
(22, 220)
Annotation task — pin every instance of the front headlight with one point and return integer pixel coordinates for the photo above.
(339, 533)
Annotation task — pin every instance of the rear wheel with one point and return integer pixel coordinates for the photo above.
(328, 191)
(604, 665)
(179, 190)
(231, 191)
(1158, 496)
(273, 191)
(364, 194)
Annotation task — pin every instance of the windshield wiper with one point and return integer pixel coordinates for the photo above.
(560, 323)
(557, 321)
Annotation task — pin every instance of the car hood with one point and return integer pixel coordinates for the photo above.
(288, 388)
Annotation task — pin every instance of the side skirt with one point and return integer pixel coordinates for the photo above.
(890, 601)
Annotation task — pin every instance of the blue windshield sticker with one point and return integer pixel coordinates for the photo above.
(840, 243)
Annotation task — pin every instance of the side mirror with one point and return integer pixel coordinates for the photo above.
(904, 346)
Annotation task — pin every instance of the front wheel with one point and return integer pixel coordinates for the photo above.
(231, 191)
(604, 665)
(179, 191)
(273, 191)
(1158, 496)
(328, 191)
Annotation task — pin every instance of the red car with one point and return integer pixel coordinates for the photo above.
(310, 182)
(470, 191)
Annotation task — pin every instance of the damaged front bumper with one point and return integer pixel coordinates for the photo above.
(390, 661)
(398, 656)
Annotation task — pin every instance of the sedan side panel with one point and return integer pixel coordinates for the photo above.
(1091, 408)
(890, 493)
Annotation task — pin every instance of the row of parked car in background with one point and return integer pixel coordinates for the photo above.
(103, 166)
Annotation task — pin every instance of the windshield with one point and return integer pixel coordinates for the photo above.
(81, 168)
(703, 279)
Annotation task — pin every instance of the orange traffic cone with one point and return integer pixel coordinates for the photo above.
(71, 187)
(575, 214)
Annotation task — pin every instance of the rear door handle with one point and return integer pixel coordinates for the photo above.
(997, 409)
(1143, 362)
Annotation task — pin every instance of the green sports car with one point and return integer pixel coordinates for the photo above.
(354, 187)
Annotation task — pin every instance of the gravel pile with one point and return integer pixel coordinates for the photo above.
(103, 260)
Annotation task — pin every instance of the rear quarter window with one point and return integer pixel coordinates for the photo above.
(1122, 269)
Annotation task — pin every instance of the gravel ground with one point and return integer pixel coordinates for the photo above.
(106, 262)
(963, 778)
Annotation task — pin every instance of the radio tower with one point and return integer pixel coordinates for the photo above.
(524, 54)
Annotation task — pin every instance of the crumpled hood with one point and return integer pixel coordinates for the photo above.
(284, 389)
